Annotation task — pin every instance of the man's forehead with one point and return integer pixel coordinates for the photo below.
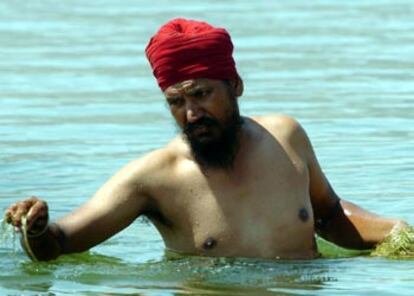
(187, 85)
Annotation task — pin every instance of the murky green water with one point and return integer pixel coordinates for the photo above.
(77, 102)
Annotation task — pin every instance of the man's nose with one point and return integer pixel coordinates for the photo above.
(193, 112)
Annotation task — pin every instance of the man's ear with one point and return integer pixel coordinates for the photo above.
(238, 86)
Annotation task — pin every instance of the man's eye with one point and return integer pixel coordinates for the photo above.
(201, 93)
(175, 102)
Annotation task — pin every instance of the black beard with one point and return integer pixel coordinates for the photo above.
(215, 152)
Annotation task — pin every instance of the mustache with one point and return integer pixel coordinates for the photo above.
(202, 122)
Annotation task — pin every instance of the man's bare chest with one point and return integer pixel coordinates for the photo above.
(264, 213)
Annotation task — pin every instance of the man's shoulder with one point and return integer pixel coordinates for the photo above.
(163, 157)
(280, 125)
(155, 166)
(287, 131)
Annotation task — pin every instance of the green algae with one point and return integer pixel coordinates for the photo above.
(397, 245)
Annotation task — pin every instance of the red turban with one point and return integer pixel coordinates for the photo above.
(186, 49)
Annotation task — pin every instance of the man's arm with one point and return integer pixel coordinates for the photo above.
(338, 220)
(117, 204)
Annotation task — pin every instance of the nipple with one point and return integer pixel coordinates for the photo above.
(209, 243)
(303, 215)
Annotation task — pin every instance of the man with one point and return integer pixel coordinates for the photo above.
(227, 186)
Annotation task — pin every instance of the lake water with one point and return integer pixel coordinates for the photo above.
(78, 101)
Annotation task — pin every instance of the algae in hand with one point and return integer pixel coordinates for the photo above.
(397, 245)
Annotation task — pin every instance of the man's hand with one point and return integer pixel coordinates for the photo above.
(35, 211)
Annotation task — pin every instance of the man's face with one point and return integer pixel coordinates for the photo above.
(207, 113)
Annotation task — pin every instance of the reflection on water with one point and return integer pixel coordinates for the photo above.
(78, 101)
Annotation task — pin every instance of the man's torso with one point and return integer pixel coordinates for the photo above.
(259, 209)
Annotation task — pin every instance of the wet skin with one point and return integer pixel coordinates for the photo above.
(256, 210)
(269, 204)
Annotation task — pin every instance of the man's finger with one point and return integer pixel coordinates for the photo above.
(39, 211)
(8, 216)
(32, 207)
(21, 210)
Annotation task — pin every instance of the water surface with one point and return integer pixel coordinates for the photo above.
(78, 101)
